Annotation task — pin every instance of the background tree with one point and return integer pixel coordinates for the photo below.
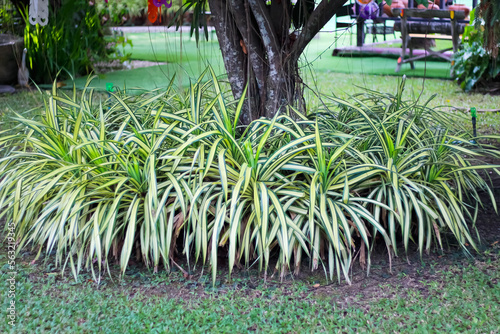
(475, 65)
(489, 11)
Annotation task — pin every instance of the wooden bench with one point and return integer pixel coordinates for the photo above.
(447, 27)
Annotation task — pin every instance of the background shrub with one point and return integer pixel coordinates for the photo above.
(475, 63)
(70, 43)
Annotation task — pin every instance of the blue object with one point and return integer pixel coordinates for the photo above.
(369, 11)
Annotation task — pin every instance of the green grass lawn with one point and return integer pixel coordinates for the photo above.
(187, 61)
(460, 297)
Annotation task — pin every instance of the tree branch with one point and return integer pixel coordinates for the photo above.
(319, 17)
(251, 40)
(274, 56)
(267, 32)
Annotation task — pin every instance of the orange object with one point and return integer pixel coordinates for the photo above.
(152, 12)
(243, 46)
(399, 60)
(363, 2)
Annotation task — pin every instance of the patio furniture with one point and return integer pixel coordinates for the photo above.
(342, 12)
(427, 24)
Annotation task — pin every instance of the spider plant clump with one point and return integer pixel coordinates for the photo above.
(167, 174)
(418, 161)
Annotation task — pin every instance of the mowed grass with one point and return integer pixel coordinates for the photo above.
(186, 59)
(20, 102)
(323, 73)
(461, 297)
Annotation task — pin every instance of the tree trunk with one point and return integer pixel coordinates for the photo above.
(258, 49)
